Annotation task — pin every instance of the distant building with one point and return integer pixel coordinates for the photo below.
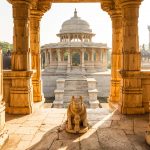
(75, 65)
(75, 48)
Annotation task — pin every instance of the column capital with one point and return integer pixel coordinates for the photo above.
(107, 5)
(125, 3)
(115, 13)
(19, 1)
(36, 14)
(44, 5)
(113, 8)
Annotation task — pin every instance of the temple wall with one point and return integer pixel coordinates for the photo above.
(49, 83)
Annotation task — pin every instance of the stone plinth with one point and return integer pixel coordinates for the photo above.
(19, 99)
(59, 94)
(76, 85)
(60, 84)
(92, 90)
(94, 103)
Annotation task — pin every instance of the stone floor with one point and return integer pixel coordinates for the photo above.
(44, 130)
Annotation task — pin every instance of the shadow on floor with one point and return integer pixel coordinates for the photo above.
(111, 132)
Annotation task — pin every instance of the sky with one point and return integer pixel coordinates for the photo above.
(51, 22)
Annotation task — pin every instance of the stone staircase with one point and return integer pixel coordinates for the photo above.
(75, 87)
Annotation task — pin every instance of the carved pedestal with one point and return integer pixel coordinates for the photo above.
(19, 95)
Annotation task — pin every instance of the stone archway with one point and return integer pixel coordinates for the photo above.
(22, 86)
(126, 84)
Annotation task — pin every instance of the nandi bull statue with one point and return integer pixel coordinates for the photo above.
(76, 116)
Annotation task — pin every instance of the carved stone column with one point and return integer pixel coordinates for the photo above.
(131, 88)
(116, 18)
(58, 56)
(59, 64)
(21, 91)
(82, 60)
(35, 50)
(69, 61)
(46, 59)
(51, 57)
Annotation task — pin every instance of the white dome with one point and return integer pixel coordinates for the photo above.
(75, 25)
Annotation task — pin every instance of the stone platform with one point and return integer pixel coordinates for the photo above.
(44, 130)
(76, 86)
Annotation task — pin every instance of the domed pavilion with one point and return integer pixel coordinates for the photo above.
(73, 65)
(76, 50)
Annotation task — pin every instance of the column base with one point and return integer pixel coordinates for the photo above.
(131, 111)
(114, 92)
(20, 92)
(19, 110)
(37, 91)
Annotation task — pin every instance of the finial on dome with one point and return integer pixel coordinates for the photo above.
(75, 13)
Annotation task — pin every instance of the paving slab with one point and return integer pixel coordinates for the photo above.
(114, 139)
(139, 142)
(45, 130)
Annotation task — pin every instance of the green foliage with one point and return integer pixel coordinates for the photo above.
(5, 46)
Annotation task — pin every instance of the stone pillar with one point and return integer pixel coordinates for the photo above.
(131, 88)
(69, 62)
(21, 92)
(98, 55)
(92, 67)
(82, 60)
(3, 133)
(116, 18)
(51, 57)
(58, 55)
(59, 63)
(35, 50)
(46, 60)
(92, 55)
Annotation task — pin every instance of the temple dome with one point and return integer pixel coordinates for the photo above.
(75, 25)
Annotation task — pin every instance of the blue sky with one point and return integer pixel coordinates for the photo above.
(91, 12)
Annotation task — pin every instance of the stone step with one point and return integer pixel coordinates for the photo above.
(65, 105)
(72, 86)
(76, 90)
(76, 93)
(68, 98)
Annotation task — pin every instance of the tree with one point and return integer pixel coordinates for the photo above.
(6, 46)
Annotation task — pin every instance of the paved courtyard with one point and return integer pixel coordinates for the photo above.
(44, 130)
